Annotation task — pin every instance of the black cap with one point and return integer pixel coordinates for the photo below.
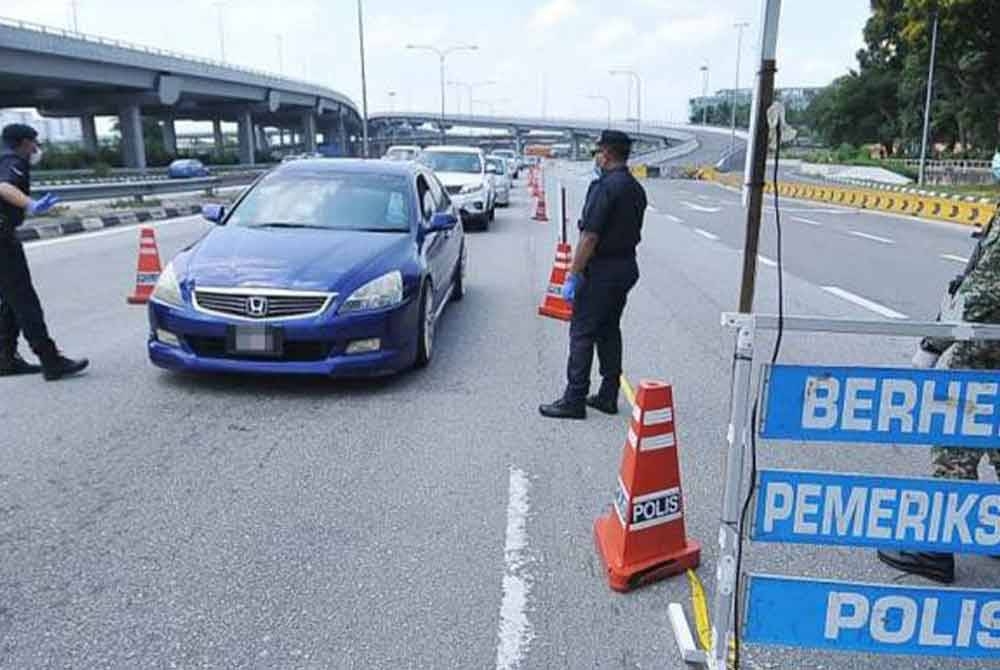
(15, 133)
(614, 137)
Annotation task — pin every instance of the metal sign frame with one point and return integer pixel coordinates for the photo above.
(738, 446)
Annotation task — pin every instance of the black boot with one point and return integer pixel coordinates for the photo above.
(933, 566)
(563, 409)
(608, 405)
(13, 364)
(54, 364)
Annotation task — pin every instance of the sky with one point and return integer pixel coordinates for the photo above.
(545, 56)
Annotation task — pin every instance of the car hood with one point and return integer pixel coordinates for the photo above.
(459, 178)
(299, 259)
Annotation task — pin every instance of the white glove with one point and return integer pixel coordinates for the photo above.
(925, 359)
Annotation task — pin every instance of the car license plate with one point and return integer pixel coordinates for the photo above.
(255, 340)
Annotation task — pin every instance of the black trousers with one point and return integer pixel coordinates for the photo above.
(20, 309)
(597, 312)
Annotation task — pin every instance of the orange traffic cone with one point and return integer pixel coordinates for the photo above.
(541, 214)
(642, 538)
(553, 304)
(148, 272)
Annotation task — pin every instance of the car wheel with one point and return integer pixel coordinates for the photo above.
(458, 285)
(425, 334)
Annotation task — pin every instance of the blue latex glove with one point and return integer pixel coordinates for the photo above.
(569, 287)
(42, 205)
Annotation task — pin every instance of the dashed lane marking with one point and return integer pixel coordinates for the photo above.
(870, 305)
(706, 234)
(873, 238)
(515, 632)
(953, 257)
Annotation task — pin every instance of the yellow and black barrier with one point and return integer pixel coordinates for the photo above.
(968, 211)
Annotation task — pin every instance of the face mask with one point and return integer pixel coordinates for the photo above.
(36, 158)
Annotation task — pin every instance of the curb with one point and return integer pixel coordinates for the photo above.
(87, 224)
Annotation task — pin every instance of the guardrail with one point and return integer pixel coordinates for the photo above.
(55, 177)
(140, 189)
(955, 209)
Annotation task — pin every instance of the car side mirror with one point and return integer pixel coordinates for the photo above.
(442, 221)
(213, 213)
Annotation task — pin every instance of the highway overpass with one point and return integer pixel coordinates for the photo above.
(74, 75)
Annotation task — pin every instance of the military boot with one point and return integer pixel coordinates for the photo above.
(55, 366)
(12, 364)
(934, 566)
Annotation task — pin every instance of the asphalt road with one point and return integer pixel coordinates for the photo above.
(432, 520)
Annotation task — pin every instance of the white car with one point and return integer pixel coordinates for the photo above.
(513, 163)
(498, 167)
(462, 171)
(402, 152)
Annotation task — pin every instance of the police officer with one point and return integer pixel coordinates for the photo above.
(604, 270)
(20, 309)
(972, 296)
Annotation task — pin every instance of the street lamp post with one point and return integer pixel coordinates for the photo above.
(638, 95)
(736, 87)
(704, 94)
(607, 101)
(442, 54)
(222, 32)
(280, 42)
(76, 20)
(927, 104)
(364, 83)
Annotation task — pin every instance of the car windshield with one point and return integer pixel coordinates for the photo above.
(329, 200)
(498, 164)
(400, 154)
(441, 161)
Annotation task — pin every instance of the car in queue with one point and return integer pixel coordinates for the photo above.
(187, 168)
(337, 268)
(402, 152)
(497, 167)
(513, 162)
(462, 170)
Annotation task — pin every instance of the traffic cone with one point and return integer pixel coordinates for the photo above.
(148, 272)
(541, 214)
(642, 538)
(553, 304)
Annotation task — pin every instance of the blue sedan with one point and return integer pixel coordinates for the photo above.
(187, 168)
(322, 267)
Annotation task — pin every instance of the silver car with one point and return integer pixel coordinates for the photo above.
(498, 169)
(513, 164)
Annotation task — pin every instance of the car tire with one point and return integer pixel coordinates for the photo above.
(425, 328)
(458, 283)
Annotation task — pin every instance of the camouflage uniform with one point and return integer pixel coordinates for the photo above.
(973, 296)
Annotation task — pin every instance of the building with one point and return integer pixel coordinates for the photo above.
(54, 130)
(796, 98)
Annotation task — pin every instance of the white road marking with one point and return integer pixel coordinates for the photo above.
(873, 238)
(957, 259)
(864, 302)
(515, 633)
(699, 208)
(117, 230)
(764, 260)
(674, 219)
(706, 234)
(808, 222)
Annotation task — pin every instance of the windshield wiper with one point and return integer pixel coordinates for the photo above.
(287, 225)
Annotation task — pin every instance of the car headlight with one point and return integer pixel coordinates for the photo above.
(167, 289)
(385, 291)
(471, 188)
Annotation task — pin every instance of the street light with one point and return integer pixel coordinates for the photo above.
(638, 95)
(704, 94)
(392, 101)
(76, 20)
(930, 96)
(222, 32)
(442, 54)
(732, 102)
(469, 88)
(279, 40)
(364, 83)
(607, 101)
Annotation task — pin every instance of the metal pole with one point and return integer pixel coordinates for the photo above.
(638, 102)
(704, 94)
(222, 33)
(562, 211)
(441, 58)
(364, 83)
(76, 21)
(736, 86)
(729, 523)
(927, 104)
(281, 54)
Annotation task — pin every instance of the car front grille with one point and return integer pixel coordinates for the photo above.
(261, 304)
(293, 351)
(453, 189)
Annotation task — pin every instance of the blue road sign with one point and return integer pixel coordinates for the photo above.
(882, 405)
(840, 616)
(865, 511)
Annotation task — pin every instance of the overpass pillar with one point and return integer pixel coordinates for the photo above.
(133, 146)
(217, 138)
(342, 130)
(89, 130)
(261, 137)
(574, 147)
(518, 143)
(169, 135)
(244, 131)
(309, 132)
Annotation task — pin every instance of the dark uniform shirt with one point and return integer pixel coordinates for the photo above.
(614, 209)
(16, 171)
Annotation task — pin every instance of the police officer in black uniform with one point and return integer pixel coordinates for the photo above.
(604, 270)
(20, 309)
